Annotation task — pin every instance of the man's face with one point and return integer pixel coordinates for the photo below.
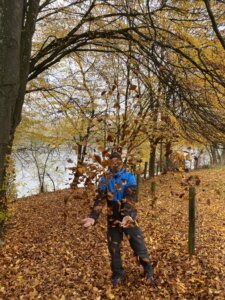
(115, 164)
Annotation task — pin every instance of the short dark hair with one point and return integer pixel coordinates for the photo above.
(116, 155)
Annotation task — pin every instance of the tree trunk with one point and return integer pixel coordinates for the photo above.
(167, 155)
(223, 155)
(161, 157)
(213, 155)
(152, 161)
(218, 156)
(17, 25)
(11, 14)
(79, 153)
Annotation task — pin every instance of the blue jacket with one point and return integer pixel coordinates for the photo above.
(118, 184)
(120, 192)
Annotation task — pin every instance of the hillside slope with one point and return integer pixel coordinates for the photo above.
(49, 255)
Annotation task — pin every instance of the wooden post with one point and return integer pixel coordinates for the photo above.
(145, 170)
(191, 231)
(153, 191)
(138, 185)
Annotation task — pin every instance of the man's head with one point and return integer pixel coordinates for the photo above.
(116, 163)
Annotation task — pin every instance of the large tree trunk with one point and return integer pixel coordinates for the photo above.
(28, 28)
(17, 24)
(11, 16)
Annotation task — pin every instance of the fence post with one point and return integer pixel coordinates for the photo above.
(153, 192)
(138, 184)
(191, 231)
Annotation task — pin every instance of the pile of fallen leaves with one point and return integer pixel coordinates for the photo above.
(49, 255)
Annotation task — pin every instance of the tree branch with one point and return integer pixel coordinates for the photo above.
(214, 24)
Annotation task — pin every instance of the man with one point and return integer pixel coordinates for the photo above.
(119, 189)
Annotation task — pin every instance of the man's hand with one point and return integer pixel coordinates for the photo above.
(88, 222)
(126, 222)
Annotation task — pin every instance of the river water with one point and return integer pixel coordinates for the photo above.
(30, 167)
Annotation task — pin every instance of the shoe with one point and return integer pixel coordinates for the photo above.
(150, 280)
(118, 281)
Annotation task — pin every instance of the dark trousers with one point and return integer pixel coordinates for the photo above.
(135, 237)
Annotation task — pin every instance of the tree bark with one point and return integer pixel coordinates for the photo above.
(223, 155)
(152, 157)
(11, 14)
(152, 160)
(213, 155)
(25, 54)
(161, 156)
(17, 25)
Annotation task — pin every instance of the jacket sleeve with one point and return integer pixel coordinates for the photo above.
(130, 197)
(99, 199)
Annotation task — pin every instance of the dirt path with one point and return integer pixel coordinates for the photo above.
(44, 258)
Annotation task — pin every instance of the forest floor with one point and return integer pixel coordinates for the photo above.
(49, 255)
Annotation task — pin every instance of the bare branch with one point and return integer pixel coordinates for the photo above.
(214, 23)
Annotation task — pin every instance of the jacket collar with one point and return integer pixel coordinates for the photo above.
(119, 173)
